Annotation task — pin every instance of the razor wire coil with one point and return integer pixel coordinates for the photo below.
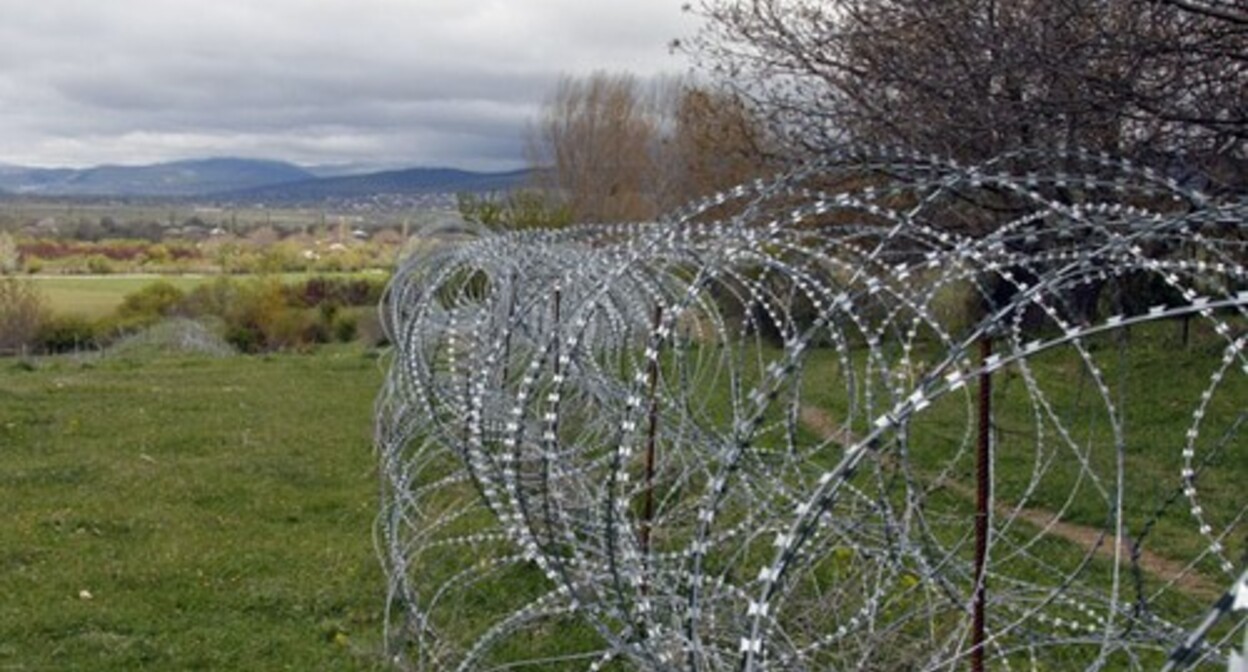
(741, 437)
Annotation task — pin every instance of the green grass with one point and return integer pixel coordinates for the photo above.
(95, 296)
(218, 513)
(1156, 384)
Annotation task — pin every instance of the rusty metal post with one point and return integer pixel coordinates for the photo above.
(647, 510)
(983, 499)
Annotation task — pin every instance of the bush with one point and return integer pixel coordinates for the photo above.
(66, 333)
(253, 316)
(287, 329)
(22, 312)
(345, 327)
(263, 314)
(99, 264)
(152, 302)
(320, 290)
(256, 313)
(515, 210)
(211, 298)
(244, 338)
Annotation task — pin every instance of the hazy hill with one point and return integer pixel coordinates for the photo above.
(178, 178)
(248, 180)
(410, 181)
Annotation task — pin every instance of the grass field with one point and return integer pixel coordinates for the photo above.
(189, 513)
(96, 296)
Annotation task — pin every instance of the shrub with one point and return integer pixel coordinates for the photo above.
(211, 298)
(152, 302)
(252, 313)
(245, 338)
(515, 210)
(99, 264)
(345, 327)
(22, 311)
(320, 290)
(256, 314)
(287, 328)
(264, 314)
(66, 333)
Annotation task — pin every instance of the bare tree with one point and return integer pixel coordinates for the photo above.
(974, 78)
(596, 137)
(717, 142)
(615, 148)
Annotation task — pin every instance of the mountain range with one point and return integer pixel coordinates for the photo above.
(245, 180)
(409, 181)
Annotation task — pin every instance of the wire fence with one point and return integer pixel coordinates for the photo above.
(884, 412)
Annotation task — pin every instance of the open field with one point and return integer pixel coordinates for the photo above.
(96, 296)
(189, 513)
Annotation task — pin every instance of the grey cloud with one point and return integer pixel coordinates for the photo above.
(417, 81)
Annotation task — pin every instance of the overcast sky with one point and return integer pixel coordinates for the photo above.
(410, 82)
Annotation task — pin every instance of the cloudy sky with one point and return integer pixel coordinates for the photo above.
(394, 82)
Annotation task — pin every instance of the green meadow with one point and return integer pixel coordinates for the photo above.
(96, 296)
(189, 513)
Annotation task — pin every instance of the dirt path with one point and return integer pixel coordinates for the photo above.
(1088, 538)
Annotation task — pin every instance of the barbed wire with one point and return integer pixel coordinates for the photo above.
(747, 436)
